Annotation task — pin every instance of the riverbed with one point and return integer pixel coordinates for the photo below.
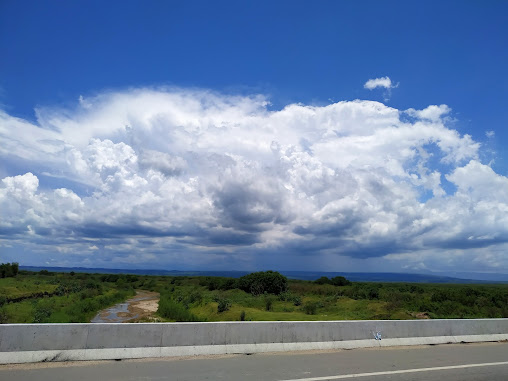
(141, 307)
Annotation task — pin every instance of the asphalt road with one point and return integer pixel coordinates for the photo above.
(452, 362)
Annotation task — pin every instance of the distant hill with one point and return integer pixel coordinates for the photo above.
(304, 275)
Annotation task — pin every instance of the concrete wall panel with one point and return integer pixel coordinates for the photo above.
(183, 334)
(33, 337)
(253, 333)
(122, 335)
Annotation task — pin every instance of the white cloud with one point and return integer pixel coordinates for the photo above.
(384, 82)
(199, 177)
(433, 113)
(490, 134)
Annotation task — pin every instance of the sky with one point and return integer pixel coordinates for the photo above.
(255, 135)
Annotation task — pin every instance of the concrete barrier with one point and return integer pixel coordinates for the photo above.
(21, 343)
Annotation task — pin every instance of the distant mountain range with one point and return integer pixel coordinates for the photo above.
(304, 275)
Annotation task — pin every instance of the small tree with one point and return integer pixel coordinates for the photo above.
(260, 282)
(340, 281)
(15, 268)
(8, 270)
(323, 280)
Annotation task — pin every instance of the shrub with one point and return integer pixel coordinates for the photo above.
(285, 296)
(297, 301)
(41, 314)
(3, 316)
(109, 277)
(223, 305)
(88, 305)
(323, 280)
(218, 283)
(173, 310)
(268, 303)
(260, 282)
(195, 297)
(310, 308)
(340, 281)
(373, 293)
(130, 278)
(8, 269)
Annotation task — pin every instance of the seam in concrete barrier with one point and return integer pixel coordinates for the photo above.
(87, 334)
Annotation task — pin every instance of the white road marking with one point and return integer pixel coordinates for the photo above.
(356, 375)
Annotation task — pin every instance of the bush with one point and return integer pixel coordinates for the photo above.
(223, 305)
(336, 281)
(310, 308)
(109, 277)
(41, 314)
(262, 282)
(297, 301)
(88, 305)
(373, 293)
(286, 296)
(8, 270)
(268, 303)
(340, 281)
(323, 280)
(195, 297)
(3, 316)
(171, 309)
(218, 283)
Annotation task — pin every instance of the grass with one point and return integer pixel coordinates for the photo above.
(344, 309)
(20, 286)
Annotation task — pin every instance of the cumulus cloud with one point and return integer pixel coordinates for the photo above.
(432, 112)
(384, 82)
(205, 179)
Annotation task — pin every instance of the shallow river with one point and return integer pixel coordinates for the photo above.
(143, 305)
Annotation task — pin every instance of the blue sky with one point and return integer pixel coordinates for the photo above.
(160, 105)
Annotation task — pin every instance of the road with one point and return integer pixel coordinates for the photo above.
(452, 362)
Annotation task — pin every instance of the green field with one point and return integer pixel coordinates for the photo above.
(66, 297)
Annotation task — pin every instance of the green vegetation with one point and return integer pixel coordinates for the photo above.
(336, 281)
(66, 297)
(269, 282)
(47, 297)
(8, 270)
(174, 310)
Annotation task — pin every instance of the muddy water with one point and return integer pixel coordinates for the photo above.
(142, 306)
